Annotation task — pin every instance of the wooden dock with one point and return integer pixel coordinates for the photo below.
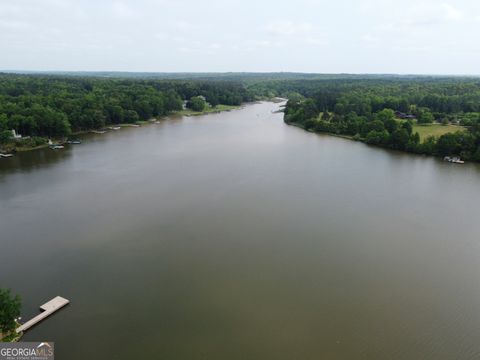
(48, 309)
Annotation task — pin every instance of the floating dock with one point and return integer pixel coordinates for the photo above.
(48, 309)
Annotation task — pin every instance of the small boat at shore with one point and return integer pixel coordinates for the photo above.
(114, 128)
(454, 160)
(56, 147)
(5, 155)
(98, 131)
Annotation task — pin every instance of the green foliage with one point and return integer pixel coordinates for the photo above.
(424, 116)
(54, 106)
(3, 122)
(385, 115)
(5, 136)
(456, 144)
(366, 109)
(10, 307)
(196, 103)
(407, 125)
(399, 139)
(294, 96)
(376, 137)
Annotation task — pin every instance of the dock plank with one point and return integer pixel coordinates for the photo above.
(48, 309)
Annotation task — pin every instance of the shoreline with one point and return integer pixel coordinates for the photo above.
(184, 112)
(352, 138)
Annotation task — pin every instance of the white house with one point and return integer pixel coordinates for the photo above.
(15, 135)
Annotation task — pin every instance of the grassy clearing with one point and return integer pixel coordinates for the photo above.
(436, 130)
(218, 108)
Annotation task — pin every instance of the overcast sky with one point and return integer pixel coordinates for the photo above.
(324, 36)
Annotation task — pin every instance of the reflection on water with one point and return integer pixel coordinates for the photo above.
(32, 160)
(235, 236)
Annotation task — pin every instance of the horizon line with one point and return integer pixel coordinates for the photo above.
(20, 71)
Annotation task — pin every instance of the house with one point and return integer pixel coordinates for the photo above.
(402, 115)
(15, 135)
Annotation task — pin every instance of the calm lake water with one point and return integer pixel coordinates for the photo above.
(235, 236)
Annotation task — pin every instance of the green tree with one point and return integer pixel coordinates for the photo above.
(196, 103)
(376, 137)
(407, 125)
(3, 122)
(399, 139)
(391, 125)
(5, 136)
(10, 307)
(385, 115)
(424, 116)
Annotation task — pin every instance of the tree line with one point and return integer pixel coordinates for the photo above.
(383, 112)
(56, 106)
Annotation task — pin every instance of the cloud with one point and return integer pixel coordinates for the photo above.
(14, 24)
(288, 28)
(122, 10)
(294, 33)
(360, 35)
(183, 25)
(451, 12)
(368, 38)
(316, 41)
(432, 13)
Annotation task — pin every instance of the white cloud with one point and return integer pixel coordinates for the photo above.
(288, 28)
(316, 41)
(123, 10)
(137, 35)
(14, 24)
(451, 13)
(368, 38)
(433, 13)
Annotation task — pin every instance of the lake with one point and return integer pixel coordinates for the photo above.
(236, 236)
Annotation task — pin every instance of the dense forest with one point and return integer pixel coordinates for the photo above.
(390, 112)
(47, 106)
(420, 114)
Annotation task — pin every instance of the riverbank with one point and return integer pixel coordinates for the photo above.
(208, 110)
(42, 143)
(12, 337)
(325, 133)
(360, 139)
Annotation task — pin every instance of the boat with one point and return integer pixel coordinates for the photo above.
(114, 127)
(56, 147)
(98, 131)
(73, 142)
(5, 155)
(454, 160)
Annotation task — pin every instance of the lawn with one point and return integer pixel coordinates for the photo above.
(208, 109)
(435, 130)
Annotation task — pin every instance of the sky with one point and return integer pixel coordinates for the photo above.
(321, 36)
